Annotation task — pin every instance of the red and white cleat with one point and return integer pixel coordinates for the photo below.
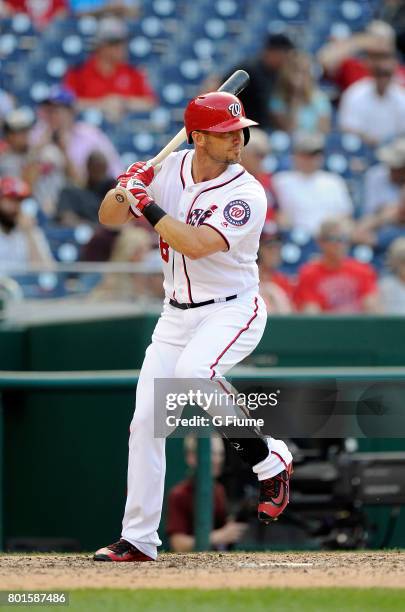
(121, 551)
(274, 495)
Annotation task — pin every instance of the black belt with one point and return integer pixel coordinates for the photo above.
(185, 306)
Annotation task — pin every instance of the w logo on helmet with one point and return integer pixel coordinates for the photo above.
(235, 109)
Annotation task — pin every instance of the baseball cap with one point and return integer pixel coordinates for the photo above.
(14, 187)
(111, 29)
(306, 142)
(279, 41)
(19, 119)
(393, 154)
(60, 96)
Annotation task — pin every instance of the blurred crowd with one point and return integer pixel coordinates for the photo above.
(56, 166)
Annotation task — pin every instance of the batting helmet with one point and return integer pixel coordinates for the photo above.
(217, 111)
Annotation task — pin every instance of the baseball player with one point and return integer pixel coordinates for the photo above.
(209, 213)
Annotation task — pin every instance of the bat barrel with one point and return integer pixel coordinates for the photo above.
(236, 83)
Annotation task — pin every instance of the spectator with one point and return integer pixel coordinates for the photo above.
(383, 182)
(58, 124)
(275, 287)
(298, 104)
(384, 218)
(43, 166)
(21, 241)
(180, 510)
(253, 156)
(378, 230)
(106, 80)
(16, 153)
(41, 12)
(348, 60)
(77, 204)
(307, 195)
(392, 287)
(100, 245)
(263, 71)
(336, 283)
(132, 245)
(374, 108)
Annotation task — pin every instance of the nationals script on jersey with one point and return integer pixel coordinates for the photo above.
(234, 204)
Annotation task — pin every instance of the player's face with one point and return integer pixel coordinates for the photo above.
(224, 147)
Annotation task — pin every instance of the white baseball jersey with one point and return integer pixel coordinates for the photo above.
(234, 204)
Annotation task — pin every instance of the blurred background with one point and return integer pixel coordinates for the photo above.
(88, 87)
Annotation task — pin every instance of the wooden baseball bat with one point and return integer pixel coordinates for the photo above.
(235, 84)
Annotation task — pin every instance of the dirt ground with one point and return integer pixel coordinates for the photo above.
(207, 571)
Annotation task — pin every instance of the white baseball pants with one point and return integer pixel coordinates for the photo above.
(191, 343)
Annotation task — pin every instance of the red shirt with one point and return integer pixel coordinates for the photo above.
(180, 509)
(335, 290)
(353, 69)
(40, 11)
(86, 81)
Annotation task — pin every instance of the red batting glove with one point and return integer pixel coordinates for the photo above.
(139, 170)
(125, 176)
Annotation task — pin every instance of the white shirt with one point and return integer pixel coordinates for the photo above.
(392, 291)
(379, 190)
(363, 110)
(14, 248)
(310, 199)
(233, 204)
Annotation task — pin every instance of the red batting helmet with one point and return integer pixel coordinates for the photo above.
(14, 187)
(217, 111)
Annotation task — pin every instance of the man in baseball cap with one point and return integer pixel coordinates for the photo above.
(263, 70)
(21, 241)
(384, 197)
(16, 155)
(384, 181)
(108, 78)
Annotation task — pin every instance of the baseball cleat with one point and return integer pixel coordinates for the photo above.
(121, 551)
(274, 496)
